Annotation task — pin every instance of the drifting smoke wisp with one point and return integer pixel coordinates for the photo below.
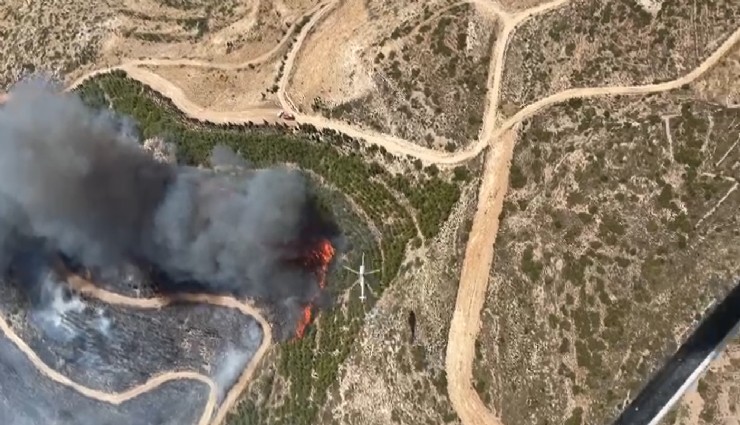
(77, 180)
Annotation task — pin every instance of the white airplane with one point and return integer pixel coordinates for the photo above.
(361, 276)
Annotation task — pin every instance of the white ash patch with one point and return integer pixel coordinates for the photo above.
(651, 6)
(160, 150)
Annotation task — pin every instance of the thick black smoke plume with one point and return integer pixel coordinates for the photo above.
(77, 180)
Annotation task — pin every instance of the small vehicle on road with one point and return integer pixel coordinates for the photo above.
(286, 116)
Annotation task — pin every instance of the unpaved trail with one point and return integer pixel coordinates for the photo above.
(89, 288)
(182, 102)
(471, 294)
(403, 147)
(395, 145)
(586, 92)
(479, 252)
(496, 68)
(478, 259)
(207, 418)
(282, 95)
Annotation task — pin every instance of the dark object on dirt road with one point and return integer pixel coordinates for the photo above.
(286, 116)
(412, 325)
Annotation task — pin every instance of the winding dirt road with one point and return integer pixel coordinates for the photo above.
(478, 259)
(88, 288)
(197, 63)
(285, 102)
(396, 145)
(399, 146)
(471, 293)
(587, 92)
(112, 398)
(479, 252)
(207, 418)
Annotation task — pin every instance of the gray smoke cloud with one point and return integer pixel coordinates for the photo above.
(78, 180)
(80, 183)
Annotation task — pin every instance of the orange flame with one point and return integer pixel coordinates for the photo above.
(303, 322)
(319, 258)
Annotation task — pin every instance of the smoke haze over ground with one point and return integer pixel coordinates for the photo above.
(76, 181)
(29, 398)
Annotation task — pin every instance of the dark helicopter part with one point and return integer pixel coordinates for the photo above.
(412, 325)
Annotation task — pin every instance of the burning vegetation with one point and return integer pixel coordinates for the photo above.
(76, 182)
(319, 260)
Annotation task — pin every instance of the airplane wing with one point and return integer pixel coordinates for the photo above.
(352, 270)
(372, 272)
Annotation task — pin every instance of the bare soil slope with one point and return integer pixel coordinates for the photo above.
(225, 90)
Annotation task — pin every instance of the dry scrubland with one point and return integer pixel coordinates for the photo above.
(385, 378)
(625, 44)
(225, 31)
(65, 38)
(388, 379)
(717, 396)
(617, 232)
(416, 70)
(722, 85)
(233, 86)
(56, 36)
(620, 211)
